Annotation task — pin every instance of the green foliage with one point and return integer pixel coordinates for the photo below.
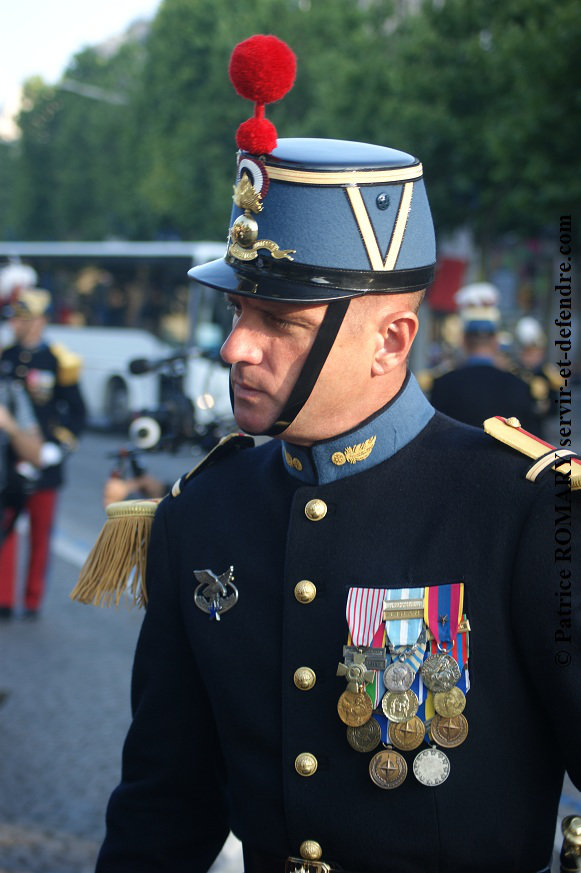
(485, 92)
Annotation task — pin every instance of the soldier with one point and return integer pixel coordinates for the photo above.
(286, 581)
(541, 375)
(479, 388)
(50, 376)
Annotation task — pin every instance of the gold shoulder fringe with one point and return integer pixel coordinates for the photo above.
(116, 564)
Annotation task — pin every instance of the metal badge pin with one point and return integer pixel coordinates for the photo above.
(215, 594)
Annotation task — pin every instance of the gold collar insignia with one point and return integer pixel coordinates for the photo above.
(354, 454)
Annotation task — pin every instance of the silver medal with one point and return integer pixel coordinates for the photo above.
(431, 767)
(399, 676)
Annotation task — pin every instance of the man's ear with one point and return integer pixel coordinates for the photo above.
(394, 341)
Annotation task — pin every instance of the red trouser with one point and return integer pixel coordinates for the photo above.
(41, 509)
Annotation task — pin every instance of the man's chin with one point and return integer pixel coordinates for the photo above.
(252, 421)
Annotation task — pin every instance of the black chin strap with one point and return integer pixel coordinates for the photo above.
(326, 335)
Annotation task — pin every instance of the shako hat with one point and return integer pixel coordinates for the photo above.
(31, 303)
(478, 307)
(316, 220)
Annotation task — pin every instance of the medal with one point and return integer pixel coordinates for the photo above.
(450, 703)
(399, 676)
(388, 768)
(431, 767)
(407, 735)
(366, 737)
(449, 732)
(354, 708)
(440, 672)
(356, 673)
(400, 706)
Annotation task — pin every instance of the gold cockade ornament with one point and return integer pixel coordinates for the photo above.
(244, 242)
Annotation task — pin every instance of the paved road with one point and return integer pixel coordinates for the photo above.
(67, 707)
(66, 713)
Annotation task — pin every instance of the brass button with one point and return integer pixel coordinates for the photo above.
(316, 509)
(305, 591)
(513, 422)
(306, 764)
(311, 850)
(304, 678)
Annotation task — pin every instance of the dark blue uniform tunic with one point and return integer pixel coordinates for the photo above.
(219, 722)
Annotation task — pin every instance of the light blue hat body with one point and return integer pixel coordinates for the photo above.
(319, 220)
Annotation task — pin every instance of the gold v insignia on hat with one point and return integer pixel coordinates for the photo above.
(368, 234)
(215, 594)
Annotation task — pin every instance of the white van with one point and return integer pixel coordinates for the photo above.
(88, 277)
(113, 394)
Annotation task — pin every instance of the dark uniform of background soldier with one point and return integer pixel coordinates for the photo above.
(299, 588)
(479, 388)
(541, 375)
(50, 375)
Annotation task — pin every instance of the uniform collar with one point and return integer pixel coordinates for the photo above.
(479, 360)
(373, 441)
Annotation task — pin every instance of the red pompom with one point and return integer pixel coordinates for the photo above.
(262, 68)
(256, 136)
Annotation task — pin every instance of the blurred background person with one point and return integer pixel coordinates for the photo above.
(479, 388)
(50, 376)
(542, 376)
(19, 438)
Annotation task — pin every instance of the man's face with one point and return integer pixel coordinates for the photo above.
(267, 348)
(27, 328)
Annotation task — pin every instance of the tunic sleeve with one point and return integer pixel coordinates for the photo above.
(169, 812)
(546, 617)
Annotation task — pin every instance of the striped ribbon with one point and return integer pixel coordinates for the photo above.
(365, 614)
(404, 632)
(443, 605)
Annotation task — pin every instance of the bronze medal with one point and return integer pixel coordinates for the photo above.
(407, 735)
(450, 703)
(449, 732)
(440, 672)
(400, 706)
(365, 738)
(388, 769)
(354, 708)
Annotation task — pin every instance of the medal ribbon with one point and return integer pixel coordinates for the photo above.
(404, 632)
(443, 605)
(365, 614)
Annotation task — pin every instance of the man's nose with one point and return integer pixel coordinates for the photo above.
(242, 346)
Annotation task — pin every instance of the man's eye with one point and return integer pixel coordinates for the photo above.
(279, 322)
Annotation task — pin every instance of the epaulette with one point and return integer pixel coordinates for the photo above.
(546, 456)
(69, 365)
(117, 563)
(232, 442)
